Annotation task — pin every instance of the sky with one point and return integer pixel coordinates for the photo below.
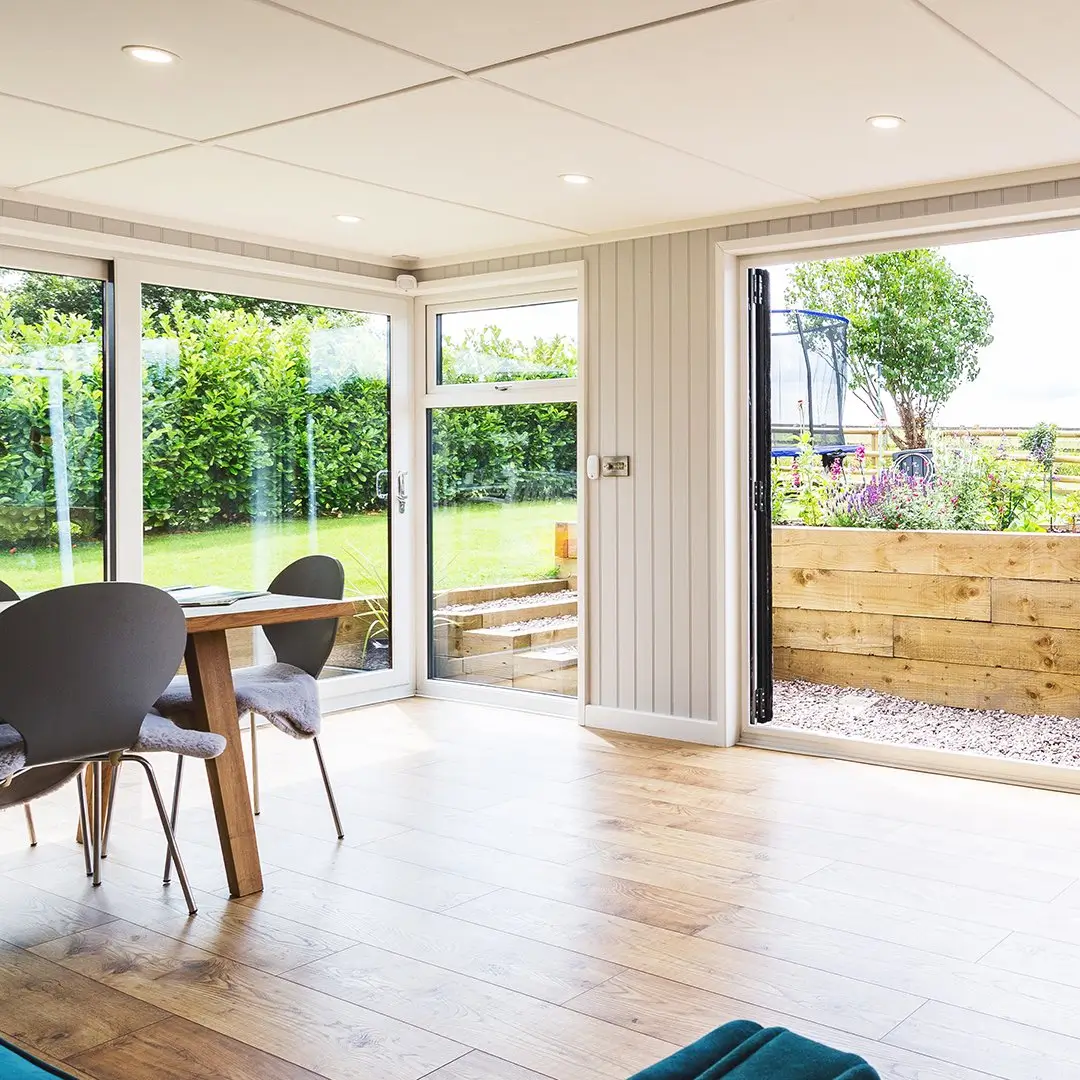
(524, 324)
(1031, 372)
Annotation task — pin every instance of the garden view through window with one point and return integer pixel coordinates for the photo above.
(265, 438)
(926, 498)
(52, 505)
(503, 503)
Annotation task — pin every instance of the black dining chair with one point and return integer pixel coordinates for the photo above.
(82, 668)
(286, 692)
(8, 596)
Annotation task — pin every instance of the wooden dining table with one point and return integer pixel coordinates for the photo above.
(210, 672)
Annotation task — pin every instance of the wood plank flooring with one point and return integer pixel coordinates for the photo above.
(519, 899)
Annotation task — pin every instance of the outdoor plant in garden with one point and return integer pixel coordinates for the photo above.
(893, 500)
(915, 330)
(232, 404)
(974, 487)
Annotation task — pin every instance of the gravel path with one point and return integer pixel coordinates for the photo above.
(866, 714)
(555, 596)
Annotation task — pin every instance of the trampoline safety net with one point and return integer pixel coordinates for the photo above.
(809, 376)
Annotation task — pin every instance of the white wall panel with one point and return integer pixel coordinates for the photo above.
(649, 383)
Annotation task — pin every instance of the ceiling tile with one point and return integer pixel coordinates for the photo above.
(1042, 43)
(43, 142)
(217, 189)
(499, 151)
(468, 34)
(782, 89)
(243, 63)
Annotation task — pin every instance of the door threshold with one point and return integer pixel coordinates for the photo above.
(914, 758)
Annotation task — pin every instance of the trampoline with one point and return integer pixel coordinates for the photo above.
(809, 382)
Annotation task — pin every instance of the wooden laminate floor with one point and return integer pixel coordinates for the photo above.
(517, 898)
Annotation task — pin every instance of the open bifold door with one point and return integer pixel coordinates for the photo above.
(761, 628)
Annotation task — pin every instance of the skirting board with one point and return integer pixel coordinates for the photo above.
(659, 725)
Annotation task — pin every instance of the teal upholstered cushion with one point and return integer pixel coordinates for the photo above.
(743, 1050)
(18, 1064)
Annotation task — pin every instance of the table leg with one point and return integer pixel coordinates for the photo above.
(88, 774)
(207, 659)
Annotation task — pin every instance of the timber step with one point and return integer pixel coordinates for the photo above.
(515, 610)
(540, 660)
(519, 636)
(481, 594)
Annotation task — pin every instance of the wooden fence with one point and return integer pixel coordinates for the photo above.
(976, 620)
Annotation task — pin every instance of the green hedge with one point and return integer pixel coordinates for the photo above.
(235, 402)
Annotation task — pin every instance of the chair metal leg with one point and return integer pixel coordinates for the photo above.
(30, 824)
(85, 824)
(97, 813)
(113, 783)
(170, 839)
(166, 877)
(254, 767)
(329, 790)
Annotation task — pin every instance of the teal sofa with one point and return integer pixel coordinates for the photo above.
(743, 1050)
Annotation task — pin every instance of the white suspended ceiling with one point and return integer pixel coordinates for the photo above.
(445, 126)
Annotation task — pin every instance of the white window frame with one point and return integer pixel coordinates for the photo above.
(487, 393)
(515, 288)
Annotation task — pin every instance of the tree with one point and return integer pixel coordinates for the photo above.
(32, 295)
(916, 328)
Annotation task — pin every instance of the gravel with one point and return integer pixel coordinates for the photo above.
(555, 596)
(534, 626)
(866, 714)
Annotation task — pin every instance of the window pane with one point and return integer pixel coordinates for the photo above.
(534, 341)
(265, 438)
(52, 505)
(503, 545)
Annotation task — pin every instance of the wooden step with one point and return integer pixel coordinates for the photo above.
(514, 665)
(478, 594)
(516, 638)
(546, 606)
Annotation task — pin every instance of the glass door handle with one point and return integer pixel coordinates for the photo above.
(382, 477)
(402, 491)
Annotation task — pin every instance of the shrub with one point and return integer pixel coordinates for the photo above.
(893, 500)
(236, 403)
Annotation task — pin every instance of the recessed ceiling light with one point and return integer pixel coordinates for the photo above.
(347, 219)
(575, 178)
(885, 121)
(149, 54)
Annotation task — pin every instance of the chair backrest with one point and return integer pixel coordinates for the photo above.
(307, 645)
(7, 593)
(83, 665)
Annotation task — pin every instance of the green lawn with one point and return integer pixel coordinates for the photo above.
(478, 544)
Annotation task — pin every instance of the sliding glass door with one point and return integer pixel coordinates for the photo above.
(52, 430)
(266, 437)
(502, 450)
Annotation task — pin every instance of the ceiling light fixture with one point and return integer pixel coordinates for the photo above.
(885, 122)
(575, 178)
(347, 219)
(150, 54)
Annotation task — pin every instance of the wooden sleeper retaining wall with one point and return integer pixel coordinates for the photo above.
(975, 620)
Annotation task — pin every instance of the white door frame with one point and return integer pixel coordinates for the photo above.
(346, 691)
(561, 281)
(733, 260)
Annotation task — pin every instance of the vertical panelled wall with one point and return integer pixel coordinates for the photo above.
(649, 393)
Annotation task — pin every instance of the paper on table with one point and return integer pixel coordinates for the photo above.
(209, 595)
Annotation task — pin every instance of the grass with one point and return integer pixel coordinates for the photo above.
(476, 544)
